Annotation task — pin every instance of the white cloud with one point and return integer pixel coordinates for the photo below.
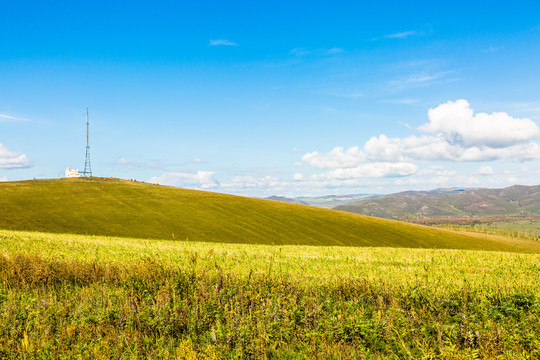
(316, 52)
(248, 182)
(9, 118)
(334, 50)
(518, 152)
(421, 79)
(401, 35)
(124, 162)
(335, 158)
(222, 42)
(455, 134)
(371, 170)
(440, 148)
(458, 123)
(437, 170)
(410, 148)
(424, 182)
(300, 52)
(3, 179)
(298, 177)
(12, 160)
(200, 180)
(485, 170)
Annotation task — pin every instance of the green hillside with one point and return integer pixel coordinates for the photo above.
(122, 208)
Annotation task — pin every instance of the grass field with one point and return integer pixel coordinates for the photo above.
(237, 278)
(73, 296)
(531, 226)
(122, 208)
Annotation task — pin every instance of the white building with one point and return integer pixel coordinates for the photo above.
(72, 173)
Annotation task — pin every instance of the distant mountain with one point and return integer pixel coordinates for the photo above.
(285, 199)
(439, 191)
(331, 201)
(512, 201)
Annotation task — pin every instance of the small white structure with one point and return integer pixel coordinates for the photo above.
(72, 173)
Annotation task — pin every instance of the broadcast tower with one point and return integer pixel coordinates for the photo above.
(87, 167)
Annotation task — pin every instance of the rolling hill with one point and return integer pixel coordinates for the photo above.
(512, 201)
(113, 207)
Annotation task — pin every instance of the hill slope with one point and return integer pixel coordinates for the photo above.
(512, 201)
(121, 208)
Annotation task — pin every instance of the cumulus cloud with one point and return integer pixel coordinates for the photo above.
(458, 123)
(485, 170)
(200, 179)
(3, 179)
(453, 133)
(371, 170)
(518, 152)
(12, 160)
(410, 148)
(335, 158)
(439, 147)
(222, 42)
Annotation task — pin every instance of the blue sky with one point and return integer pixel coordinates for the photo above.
(270, 97)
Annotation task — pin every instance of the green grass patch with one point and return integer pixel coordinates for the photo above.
(529, 225)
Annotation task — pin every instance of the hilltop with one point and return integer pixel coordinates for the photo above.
(97, 206)
(511, 201)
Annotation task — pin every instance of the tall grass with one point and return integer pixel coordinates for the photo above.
(72, 296)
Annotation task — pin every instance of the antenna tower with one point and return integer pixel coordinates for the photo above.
(87, 167)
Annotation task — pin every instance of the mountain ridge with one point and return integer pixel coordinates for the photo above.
(516, 200)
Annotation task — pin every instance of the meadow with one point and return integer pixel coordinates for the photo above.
(75, 296)
(522, 225)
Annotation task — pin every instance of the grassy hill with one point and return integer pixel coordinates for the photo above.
(512, 201)
(130, 209)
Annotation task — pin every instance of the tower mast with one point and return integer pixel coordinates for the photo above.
(87, 167)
